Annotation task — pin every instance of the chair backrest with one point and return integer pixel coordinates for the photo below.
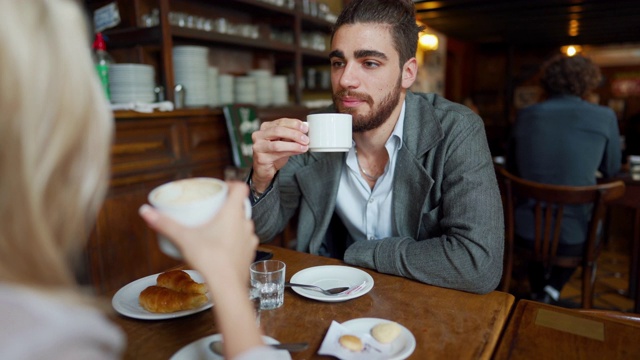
(613, 315)
(549, 203)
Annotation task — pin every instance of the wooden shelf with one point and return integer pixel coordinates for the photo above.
(153, 148)
(130, 37)
(234, 40)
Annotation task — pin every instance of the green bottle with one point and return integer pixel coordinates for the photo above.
(102, 60)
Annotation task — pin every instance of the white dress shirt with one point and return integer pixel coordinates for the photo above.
(366, 212)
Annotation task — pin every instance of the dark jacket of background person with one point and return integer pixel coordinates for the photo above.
(563, 141)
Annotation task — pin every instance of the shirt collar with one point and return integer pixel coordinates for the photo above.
(396, 136)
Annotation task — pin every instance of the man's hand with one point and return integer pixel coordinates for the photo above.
(273, 144)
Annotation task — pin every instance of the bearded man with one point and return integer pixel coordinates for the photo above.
(415, 196)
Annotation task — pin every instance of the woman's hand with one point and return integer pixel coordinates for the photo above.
(225, 244)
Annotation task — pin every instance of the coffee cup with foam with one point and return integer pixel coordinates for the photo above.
(191, 202)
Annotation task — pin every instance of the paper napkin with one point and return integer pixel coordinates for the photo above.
(373, 350)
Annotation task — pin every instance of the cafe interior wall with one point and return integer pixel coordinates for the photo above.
(431, 66)
(500, 80)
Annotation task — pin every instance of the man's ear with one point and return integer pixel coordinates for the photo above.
(409, 73)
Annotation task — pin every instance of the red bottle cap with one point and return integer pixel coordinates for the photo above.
(98, 43)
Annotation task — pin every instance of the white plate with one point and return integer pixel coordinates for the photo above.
(330, 276)
(401, 347)
(199, 349)
(125, 301)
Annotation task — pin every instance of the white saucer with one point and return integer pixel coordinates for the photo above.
(330, 276)
(125, 301)
(401, 347)
(199, 349)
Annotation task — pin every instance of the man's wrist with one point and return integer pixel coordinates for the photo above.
(255, 194)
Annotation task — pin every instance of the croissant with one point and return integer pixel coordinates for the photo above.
(180, 281)
(162, 300)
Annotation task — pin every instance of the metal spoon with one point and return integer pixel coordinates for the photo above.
(332, 291)
(217, 347)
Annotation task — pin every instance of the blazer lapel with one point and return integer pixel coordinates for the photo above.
(413, 182)
(411, 186)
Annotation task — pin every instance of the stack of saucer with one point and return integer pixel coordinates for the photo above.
(131, 83)
(225, 89)
(245, 90)
(263, 86)
(214, 96)
(280, 90)
(191, 68)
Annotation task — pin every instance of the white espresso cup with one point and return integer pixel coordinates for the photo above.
(329, 132)
(191, 202)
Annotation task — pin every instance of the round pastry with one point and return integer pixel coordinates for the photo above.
(351, 342)
(386, 332)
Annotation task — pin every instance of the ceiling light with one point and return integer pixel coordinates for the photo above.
(574, 27)
(428, 41)
(571, 50)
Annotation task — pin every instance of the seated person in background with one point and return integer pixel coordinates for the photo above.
(563, 140)
(416, 195)
(56, 130)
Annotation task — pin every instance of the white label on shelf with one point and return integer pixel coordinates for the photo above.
(106, 17)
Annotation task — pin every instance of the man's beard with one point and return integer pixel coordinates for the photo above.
(378, 116)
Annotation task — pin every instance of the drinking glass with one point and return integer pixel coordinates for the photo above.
(267, 277)
(254, 296)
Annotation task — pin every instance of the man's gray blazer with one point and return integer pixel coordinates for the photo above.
(447, 210)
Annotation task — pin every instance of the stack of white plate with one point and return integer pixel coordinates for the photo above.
(191, 70)
(245, 91)
(280, 90)
(225, 89)
(263, 86)
(214, 96)
(131, 83)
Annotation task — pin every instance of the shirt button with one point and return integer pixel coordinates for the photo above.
(371, 201)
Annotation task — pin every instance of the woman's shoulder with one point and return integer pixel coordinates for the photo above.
(31, 317)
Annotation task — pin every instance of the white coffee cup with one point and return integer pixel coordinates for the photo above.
(329, 132)
(191, 202)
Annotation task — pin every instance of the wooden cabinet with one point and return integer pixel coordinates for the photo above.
(149, 150)
(279, 40)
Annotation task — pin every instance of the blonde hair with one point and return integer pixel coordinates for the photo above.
(55, 133)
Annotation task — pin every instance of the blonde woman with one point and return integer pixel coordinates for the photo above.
(55, 132)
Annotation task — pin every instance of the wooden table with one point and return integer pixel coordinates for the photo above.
(446, 323)
(540, 331)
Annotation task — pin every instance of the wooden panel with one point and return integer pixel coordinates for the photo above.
(146, 145)
(122, 247)
(541, 331)
(207, 140)
(149, 150)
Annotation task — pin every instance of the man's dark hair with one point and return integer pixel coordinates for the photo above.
(570, 75)
(400, 15)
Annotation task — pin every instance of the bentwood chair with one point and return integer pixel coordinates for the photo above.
(613, 315)
(549, 203)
